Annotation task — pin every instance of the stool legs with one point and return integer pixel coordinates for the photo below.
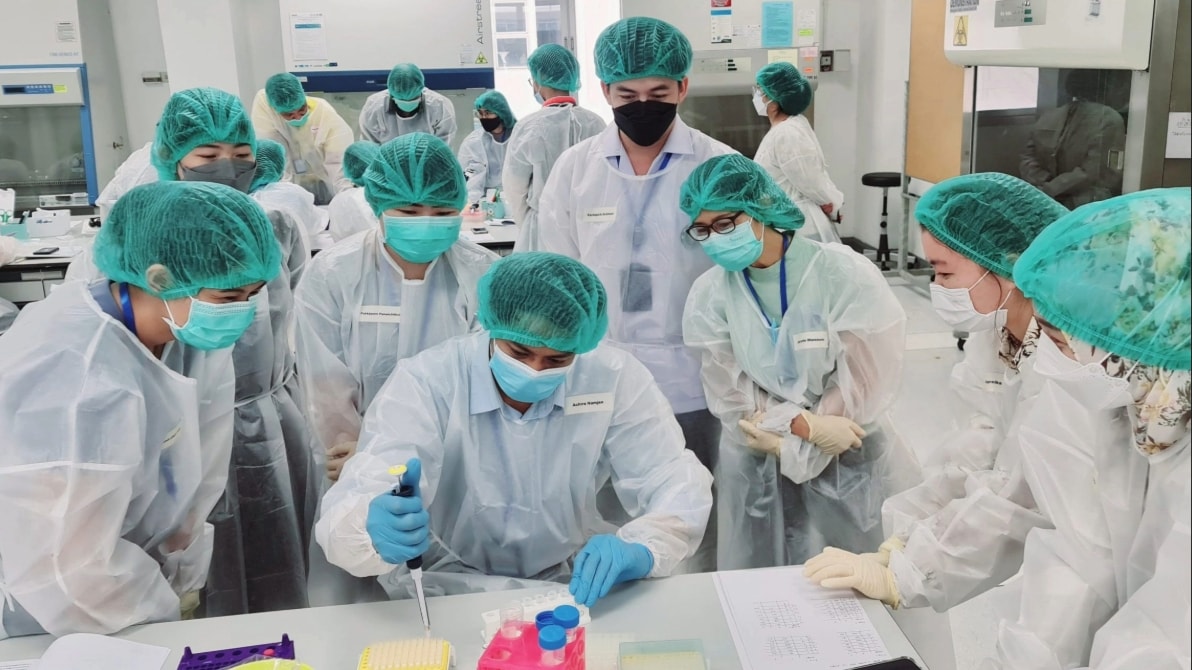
(883, 244)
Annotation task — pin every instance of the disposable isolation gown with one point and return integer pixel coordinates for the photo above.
(1091, 483)
(350, 214)
(839, 351)
(380, 123)
(512, 498)
(8, 314)
(1074, 153)
(629, 231)
(538, 141)
(791, 154)
(966, 525)
(297, 203)
(262, 525)
(482, 158)
(134, 171)
(314, 151)
(112, 461)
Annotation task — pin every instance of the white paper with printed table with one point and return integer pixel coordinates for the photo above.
(782, 621)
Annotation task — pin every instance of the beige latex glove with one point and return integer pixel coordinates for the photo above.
(9, 249)
(337, 458)
(840, 569)
(882, 555)
(188, 604)
(834, 435)
(760, 440)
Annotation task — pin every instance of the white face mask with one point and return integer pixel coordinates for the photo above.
(1088, 383)
(955, 307)
(759, 104)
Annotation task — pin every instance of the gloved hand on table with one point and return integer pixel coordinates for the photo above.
(604, 562)
(834, 435)
(882, 555)
(188, 605)
(840, 569)
(399, 527)
(337, 457)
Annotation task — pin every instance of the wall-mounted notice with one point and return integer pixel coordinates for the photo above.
(748, 36)
(722, 21)
(67, 31)
(778, 25)
(1179, 135)
(807, 27)
(308, 37)
(783, 56)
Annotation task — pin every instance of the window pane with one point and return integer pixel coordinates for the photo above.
(511, 52)
(550, 21)
(510, 18)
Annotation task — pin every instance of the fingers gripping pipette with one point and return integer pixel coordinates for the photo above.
(405, 490)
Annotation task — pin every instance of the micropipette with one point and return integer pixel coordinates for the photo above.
(414, 564)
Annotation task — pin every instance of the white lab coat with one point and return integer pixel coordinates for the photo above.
(8, 314)
(839, 351)
(379, 123)
(791, 154)
(512, 498)
(96, 433)
(314, 151)
(357, 317)
(350, 214)
(538, 141)
(482, 158)
(134, 171)
(297, 203)
(629, 230)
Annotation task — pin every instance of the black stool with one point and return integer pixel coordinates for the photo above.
(885, 181)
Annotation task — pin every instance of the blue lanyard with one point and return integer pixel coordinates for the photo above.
(126, 304)
(772, 325)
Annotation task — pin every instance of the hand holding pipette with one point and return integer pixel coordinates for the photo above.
(400, 528)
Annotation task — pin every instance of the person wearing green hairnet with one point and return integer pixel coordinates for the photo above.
(381, 296)
(508, 435)
(802, 346)
(312, 132)
(791, 153)
(205, 135)
(349, 210)
(962, 531)
(117, 427)
(482, 153)
(612, 202)
(277, 195)
(543, 136)
(406, 106)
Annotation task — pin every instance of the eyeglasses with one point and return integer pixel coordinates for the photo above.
(722, 226)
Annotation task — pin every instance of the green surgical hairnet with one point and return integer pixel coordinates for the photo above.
(207, 235)
(271, 163)
(195, 117)
(285, 93)
(733, 183)
(539, 299)
(357, 157)
(554, 66)
(495, 102)
(405, 82)
(415, 169)
(640, 47)
(1116, 274)
(784, 84)
(989, 218)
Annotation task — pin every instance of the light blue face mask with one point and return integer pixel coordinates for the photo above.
(736, 250)
(522, 382)
(213, 326)
(421, 239)
(298, 123)
(409, 106)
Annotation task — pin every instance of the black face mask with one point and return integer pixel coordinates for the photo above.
(239, 174)
(645, 122)
(490, 125)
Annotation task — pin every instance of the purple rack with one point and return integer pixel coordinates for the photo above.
(226, 658)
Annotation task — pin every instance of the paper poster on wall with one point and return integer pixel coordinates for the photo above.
(807, 27)
(784, 56)
(1179, 135)
(748, 36)
(778, 25)
(955, 6)
(67, 31)
(308, 37)
(468, 53)
(722, 21)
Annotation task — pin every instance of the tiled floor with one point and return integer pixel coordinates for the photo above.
(931, 353)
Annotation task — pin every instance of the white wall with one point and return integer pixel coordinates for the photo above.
(109, 127)
(31, 35)
(199, 42)
(139, 50)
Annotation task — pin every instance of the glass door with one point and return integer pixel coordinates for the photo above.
(519, 27)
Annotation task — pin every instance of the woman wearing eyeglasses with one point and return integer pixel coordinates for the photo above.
(802, 346)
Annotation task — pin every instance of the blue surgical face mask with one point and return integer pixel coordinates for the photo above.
(736, 250)
(213, 326)
(538, 97)
(522, 382)
(421, 239)
(298, 123)
(409, 106)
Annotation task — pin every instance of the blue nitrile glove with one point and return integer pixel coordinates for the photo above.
(398, 527)
(604, 562)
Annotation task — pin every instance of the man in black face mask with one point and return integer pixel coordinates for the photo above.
(612, 201)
